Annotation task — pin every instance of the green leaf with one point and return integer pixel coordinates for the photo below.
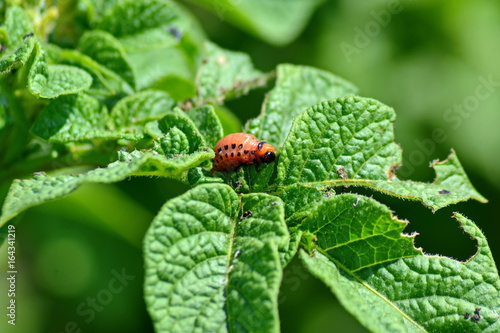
(225, 74)
(291, 248)
(152, 164)
(297, 88)
(357, 232)
(276, 22)
(252, 178)
(198, 176)
(73, 118)
(151, 39)
(3, 116)
(349, 141)
(51, 81)
(298, 201)
(352, 133)
(18, 25)
(177, 119)
(415, 294)
(17, 41)
(104, 81)
(18, 57)
(132, 112)
(166, 58)
(108, 51)
(208, 123)
(162, 68)
(183, 30)
(174, 142)
(450, 186)
(42, 188)
(132, 17)
(208, 269)
(81, 117)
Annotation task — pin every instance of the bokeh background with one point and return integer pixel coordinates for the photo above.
(435, 62)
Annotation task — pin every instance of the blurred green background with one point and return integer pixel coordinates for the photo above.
(436, 63)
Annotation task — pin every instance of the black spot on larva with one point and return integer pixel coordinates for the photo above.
(226, 147)
(227, 155)
(233, 146)
(220, 150)
(253, 152)
(240, 146)
(232, 154)
(259, 146)
(245, 151)
(239, 154)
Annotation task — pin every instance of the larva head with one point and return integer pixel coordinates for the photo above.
(266, 152)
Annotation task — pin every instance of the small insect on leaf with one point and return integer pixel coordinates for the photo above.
(240, 149)
(176, 32)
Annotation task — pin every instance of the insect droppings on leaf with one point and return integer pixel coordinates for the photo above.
(246, 214)
(476, 317)
(342, 173)
(391, 173)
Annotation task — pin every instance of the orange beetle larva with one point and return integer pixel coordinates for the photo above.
(239, 149)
